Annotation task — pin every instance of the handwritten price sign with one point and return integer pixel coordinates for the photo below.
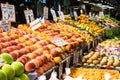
(8, 12)
(4, 26)
(29, 15)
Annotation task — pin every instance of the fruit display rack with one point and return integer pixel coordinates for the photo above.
(41, 54)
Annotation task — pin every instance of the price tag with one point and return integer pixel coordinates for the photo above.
(81, 11)
(60, 70)
(67, 71)
(61, 15)
(8, 12)
(59, 42)
(101, 14)
(33, 23)
(46, 12)
(29, 15)
(42, 77)
(36, 26)
(75, 15)
(5, 27)
(54, 15)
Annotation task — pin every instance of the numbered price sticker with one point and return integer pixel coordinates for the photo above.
(61, 15)
(29, 15)
(59, 42)
(54, 15)
(8, 12)
(5, 27)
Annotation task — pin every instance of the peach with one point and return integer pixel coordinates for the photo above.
(13, 42)
(39, 51)
(39, 71)
(43, 58)
(33, 40)
(54, 52)
(29, 66)
(32, 55)
(46, 52)
(14, 54)
(40, 60)
(51, 46)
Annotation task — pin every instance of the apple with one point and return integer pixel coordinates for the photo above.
(18, 68)
(16, 78)
(3, 75)
(7, 57)
(24, 77)
(9, 71)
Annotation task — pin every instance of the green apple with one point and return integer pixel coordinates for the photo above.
(16, 78)
(18, 67)
(9, 71)
(7, 58)
(3, 75)
(24, 77)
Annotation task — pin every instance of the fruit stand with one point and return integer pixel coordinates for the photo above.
(39, 49)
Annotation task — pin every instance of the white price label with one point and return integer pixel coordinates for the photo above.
(81, 11)
(75, 15)
(46, 12)
(8, 12)
(54, 15)
(29, 15)
(61, 15)
(59, 42)
(5, 26)
(42, 77)
(36, 26)
(101, 14)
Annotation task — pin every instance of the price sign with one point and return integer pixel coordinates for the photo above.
(5, 27)
(8, 12)
(75, 15)
(29, 15)
(46, 12)
(59, 42)
(61, 15)
(54, 15)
